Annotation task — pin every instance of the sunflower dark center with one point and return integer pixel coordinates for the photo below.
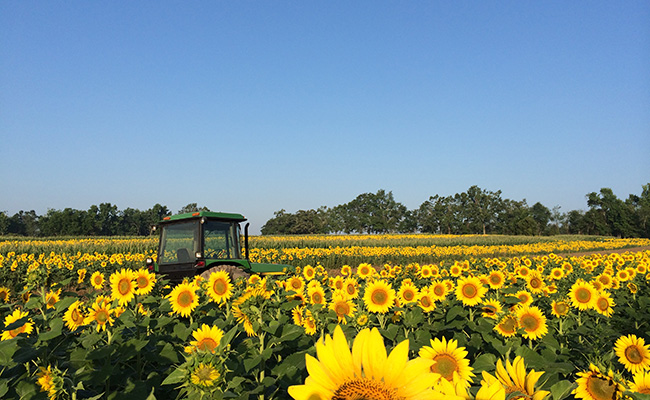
(365, 389)
(142, 282)
(583, 295)
(342, 308)
(124, 286)
(445, 365)
(220, 287)
(529, 322)
(379, 297)
(601, 389)
(470, 291)
(633, 354)
(185, 299)
(207, 344)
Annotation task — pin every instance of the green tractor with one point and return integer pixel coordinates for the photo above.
(204, 242)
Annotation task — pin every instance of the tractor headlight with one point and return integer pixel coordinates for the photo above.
(198, 254)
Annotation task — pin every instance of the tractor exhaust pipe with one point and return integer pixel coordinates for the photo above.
(246, 240)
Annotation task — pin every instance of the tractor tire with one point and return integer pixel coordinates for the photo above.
(233, 271)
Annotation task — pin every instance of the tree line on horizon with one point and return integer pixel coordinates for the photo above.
(475, 211)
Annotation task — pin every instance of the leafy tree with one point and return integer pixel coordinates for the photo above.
(24, 223)
(542, 215)
(192, 207)
(610, 214)
(4, 223)
(515, 219)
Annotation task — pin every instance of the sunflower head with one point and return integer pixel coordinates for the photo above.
(364, 371)
(633, 353)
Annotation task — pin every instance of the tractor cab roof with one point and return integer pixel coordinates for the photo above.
(207, 214)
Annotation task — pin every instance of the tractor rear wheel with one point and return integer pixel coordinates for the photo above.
(233, 271)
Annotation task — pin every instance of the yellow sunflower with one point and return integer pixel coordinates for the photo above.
(122, 286)
(206, 338)
(583, 295)
(532, 320)
(535, 283)
(641, 382)
(379, 296)
(309, 323)
(351, 287)
(365, 371)
(184, 299)
(525, 298)
(426, 302)
(470, 291)
(594, 385)
(438, 290)
(97, 280)
(101, 314)
(449, 360)
(633, 353)
(557, 273)
(51, 381)
(82, 275)
(346, 270)
(336, 283)
(144, 281)
(407, 293)
(342, 307)
(74, 317)
(316, 295)
(219, 287)
(4, 294)
(52, 297)
(604, 304)
(205, 375)
(514, 378)
(507, 327)
(309, 272)
(297, 315)
(365, 271)
(27, 327)
(559, 308)
(491, 309)
(496, 279)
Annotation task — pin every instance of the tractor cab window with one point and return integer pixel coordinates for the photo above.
(221, 240)
(179, 242)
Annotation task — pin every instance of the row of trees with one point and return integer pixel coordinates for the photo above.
(476, 211)
(102, 220)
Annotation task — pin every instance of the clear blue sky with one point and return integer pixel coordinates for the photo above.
(254, 107)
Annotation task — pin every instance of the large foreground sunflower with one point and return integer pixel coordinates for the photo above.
(633, 353)
(514, 378)
(449, 360)
(365, 371)
(641, 382)
(594, 385)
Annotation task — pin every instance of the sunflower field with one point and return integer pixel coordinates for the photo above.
(396, 317)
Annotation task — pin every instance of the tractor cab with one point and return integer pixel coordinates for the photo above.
(203, 242)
